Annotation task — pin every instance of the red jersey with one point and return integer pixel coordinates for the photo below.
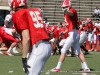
(51, 28)
(61, 30)
(6, 38)
(79, 22)
(96, 30)
(56, 33)
(30, 19)
(85, 28)
(90, 26)
(1, 39)
(71, 20)
(1, 31)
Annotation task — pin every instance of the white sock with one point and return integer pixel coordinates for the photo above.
(58, 65)
(28, 55)
(82, 65)
(14, 49)
(85, 65)
(9, 49)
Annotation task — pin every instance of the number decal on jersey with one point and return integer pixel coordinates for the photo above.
(38, 23)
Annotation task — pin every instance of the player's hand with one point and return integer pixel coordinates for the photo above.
(66, 10)
(62, 33)
(25, 66)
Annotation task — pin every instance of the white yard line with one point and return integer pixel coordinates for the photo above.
(73, 71)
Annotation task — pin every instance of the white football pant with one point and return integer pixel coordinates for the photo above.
(40, 53)
(83, 37)
(90, 35)
(61, 43)
(94, 38)
(72, 41)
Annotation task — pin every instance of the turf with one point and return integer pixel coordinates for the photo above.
(12, 65)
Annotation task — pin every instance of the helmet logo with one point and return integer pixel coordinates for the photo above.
(9, 2)
(21, 3)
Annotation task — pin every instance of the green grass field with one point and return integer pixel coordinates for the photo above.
(13, 65)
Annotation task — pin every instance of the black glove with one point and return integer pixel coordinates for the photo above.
(65, 11)
(25, 66)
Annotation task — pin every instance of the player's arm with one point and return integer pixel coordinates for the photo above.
(7, 20)
(25, 48)
(68, 11)
(6, 23)
(25, 42)
(64, 32)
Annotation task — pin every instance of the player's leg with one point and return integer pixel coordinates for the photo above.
(83, 38)
(18, 46)
(8, 39)
(61, 43)
(52, 43)
(84, 48)
(76, 47)
(94, 41)
(2, 47)
(89, 40)
(68, 43)
(83, 63)
(38, 57)
(81, 56)
(98, 39)
(55, 46)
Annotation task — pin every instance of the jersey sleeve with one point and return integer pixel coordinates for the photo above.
(8, 18)
(21, 22)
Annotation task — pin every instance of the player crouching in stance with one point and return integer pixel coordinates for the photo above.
(70, 15)
(8, 38)
(29, 24)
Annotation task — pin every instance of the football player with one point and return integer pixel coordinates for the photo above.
(90, 32)
(29, 24)
(7, 39)
(8, 20)
(70, 15)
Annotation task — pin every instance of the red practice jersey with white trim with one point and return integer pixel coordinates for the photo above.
(71, 20)
(30, 19)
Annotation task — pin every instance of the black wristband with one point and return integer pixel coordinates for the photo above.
(24, 60)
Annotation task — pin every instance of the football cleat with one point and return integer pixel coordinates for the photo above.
(9, 54)
(85, 71)
(86, 53)
(54, 70)
(90, 50)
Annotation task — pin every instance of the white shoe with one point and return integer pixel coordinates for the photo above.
(90, 50)
(54, 70)
(86, 71)
(9, 54)
(95, 50)
(68, 55)
(51, 53)
(1, 52)
(15, 51)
